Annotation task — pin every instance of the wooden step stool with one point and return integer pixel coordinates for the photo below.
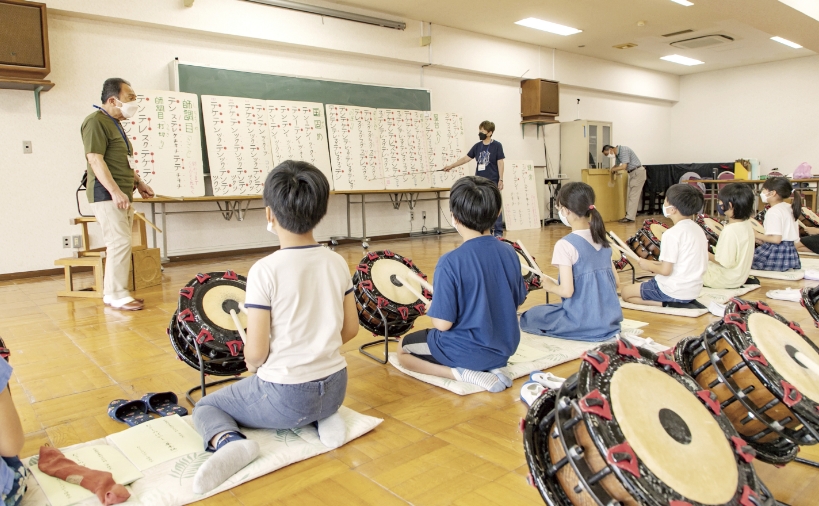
(145, 262)
(96, 263)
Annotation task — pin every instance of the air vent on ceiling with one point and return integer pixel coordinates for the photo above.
(627, 45)
(703, 42)
(678, 33)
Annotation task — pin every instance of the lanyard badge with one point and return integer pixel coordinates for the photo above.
(119, 127)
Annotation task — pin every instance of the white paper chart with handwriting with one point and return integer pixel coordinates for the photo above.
(297, 133)
(238, 141)
(403, 149)
(520, 206)
(167, 143)
(445, 144)
(355, 154)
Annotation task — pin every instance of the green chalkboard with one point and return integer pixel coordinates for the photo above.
(234, 83)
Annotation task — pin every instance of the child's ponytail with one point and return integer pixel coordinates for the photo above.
(598, 227)
(579, 198)
(797, 205)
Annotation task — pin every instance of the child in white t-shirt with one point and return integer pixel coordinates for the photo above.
(731, 262)
(300, 311)
(778, 250)
(683, 255)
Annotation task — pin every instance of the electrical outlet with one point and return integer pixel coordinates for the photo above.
(412, 215)
(26, 147)
(76, 241)
(66, 241)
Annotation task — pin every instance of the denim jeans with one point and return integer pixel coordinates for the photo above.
(498, 228)
(258, 404)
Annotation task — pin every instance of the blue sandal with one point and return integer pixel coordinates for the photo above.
(164, 404)
(129, 412)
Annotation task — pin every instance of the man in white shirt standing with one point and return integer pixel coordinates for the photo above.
(625, 159)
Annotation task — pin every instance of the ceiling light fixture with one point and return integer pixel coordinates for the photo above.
(682, 60)
(547, 26)
(787, 42)
(683, 2)
(806, 7)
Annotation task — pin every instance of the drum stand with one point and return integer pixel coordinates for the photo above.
(386, 341)
(202, 384)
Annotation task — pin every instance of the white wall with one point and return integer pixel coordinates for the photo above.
(87, 48)
(763, 111)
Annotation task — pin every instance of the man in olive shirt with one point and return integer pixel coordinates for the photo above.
(111, 184)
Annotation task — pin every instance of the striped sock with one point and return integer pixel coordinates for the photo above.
(485, 380)
(506, 380)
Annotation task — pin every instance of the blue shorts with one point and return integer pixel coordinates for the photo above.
(649, 290)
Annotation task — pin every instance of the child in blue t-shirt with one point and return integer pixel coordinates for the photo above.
(12, 471)
(477, 290)
(587, 276)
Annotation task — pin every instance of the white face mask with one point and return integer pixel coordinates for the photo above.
(128, 109)
(665, 210)
(611, 155)
(764, 197)
(563, 217)
(270, 228)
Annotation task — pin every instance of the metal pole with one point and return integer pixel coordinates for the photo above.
(153, 220)
(164, 235)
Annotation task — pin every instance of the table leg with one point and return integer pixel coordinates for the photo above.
(364, 240)
(438, 202)
(348, 216)
(153, 220)
(164, 256)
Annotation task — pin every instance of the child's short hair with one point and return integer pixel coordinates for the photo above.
(475, 202)
(487, 125)
(297, 193)
(741, 198)
(686, 198)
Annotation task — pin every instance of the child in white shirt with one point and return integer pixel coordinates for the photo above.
(683, 255)
(778, 251)
(300, 311)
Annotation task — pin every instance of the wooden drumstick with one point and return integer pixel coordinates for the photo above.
(413, 290)
(238, 325)
(801, 225)
(623, 247)
(146, 220)
(426, 284)
(528, 256)
(539, 273)
(623, 251)
(808, 363)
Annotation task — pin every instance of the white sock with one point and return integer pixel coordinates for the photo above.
(506, 380)
(485, 380)
(223, 464)
(332, 430)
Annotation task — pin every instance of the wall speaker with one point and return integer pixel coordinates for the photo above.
(23, 40)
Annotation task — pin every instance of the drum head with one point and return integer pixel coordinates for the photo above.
(217, 303)
(811, 216)
(658, 230)
(778, 343)
(385, 274)
(673, 434)
(714, 225)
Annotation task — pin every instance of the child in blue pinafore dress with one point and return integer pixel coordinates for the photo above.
(590, 310)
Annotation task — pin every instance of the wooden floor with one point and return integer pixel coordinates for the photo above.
(73, 356)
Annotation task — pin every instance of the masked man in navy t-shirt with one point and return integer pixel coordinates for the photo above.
(489, 156)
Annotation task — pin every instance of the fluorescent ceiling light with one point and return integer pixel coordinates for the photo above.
(683, 2)
(787, 42)
(682, 60)
(546, 26)
(807, 7)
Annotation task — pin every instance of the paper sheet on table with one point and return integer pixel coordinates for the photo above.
(98, 457)
(152, 443)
